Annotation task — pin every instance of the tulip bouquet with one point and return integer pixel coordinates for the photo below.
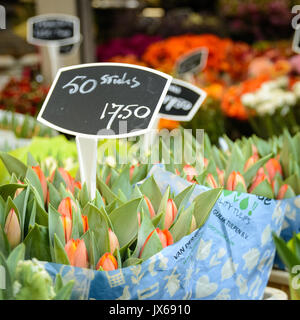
(265, 168)
(123, 226)
(28, 280)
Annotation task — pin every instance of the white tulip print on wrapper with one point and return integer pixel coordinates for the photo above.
(223, 295)
(204, 287)
(228, 270)
(297, 202)
(204, 249)
(241, 282)
(251, 259)
(266, 235)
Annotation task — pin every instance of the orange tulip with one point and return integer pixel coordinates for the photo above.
(282, 191)
(273, 166)
(165, 238)
(205, 162)
(113, 241)
(221, 175)
(77, 253)
(43, 181)
(108, 262)
(139, 218)
(67, 225)
(69, 180)
(234, 179)
(150, 207)
(259, 178)
(85, 223)
(107, 179)
(65, 207)
(12, 229)
(131, 170)
(171, 212)
(211, 181)
(250, 162)
(190, 172)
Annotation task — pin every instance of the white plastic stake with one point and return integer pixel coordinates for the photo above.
(54, 59)
(87, 155)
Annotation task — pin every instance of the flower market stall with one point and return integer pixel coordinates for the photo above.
(165, 167)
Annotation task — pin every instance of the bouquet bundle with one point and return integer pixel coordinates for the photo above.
(136, 240)
(265, 168)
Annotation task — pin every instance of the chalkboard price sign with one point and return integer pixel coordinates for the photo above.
(192, 62)
(105, 100)
(182, 101)
(296, 41)
(58, 29)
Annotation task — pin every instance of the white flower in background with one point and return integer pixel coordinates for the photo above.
(249, 99)
(296, 89)
(69, 164)
(272, 95)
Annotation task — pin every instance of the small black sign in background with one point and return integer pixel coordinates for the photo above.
(182, 101)
(194, 61)
(104, 99)
(53, 29)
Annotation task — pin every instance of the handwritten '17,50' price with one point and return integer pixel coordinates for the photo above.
(124, 112)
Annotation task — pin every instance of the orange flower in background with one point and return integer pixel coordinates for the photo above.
(215, 91)
(42, 179)
(107, 262)
(167, 124)
(77, 253)
(131, 59)
(232, 105)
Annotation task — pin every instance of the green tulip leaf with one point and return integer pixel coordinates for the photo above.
(60, 255)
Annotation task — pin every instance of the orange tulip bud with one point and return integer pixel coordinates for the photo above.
(108, 262)
(273, 166)
(77, 253)
(43, 181)
(69, 180)
(12, 229)
(221, 175)
(282, 191)
(171, 212)
(139, 218)
(67, 225)
(131, 170)
(165, 238)
(234, 179)
(205, 162)
(107, 179)
(150, 207)
(259, 178)
(211, 181)
(190, 172)
(113, 241)
(65, 207)
(250, 162)
(85, 223)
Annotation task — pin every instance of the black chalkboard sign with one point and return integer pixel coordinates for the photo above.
(53, 30)
(182, 101)
(192, 62)
(107, 100)
(296, 41)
